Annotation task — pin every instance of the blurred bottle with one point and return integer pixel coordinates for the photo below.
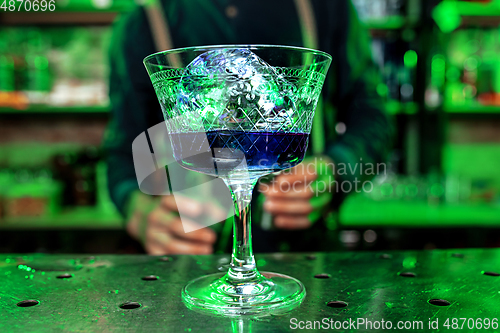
(436, 84)
(61, 165)
(7, 69)
(9, 97)
(6, 181)
(397, 63)
(84, 173)
(78, 173)
(38, 79)
(435, 188)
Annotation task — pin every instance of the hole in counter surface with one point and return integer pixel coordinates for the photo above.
(337, 304)
(130, 305)
(322, 276)
(439, 302)
(28, 303)
(150, 278)
(65, 276)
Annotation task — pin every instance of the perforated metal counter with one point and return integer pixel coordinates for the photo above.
(112, 293)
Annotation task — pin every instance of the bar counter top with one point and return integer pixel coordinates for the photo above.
(139, 293)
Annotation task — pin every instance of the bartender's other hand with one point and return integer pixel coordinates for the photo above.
(161, 231)
(296, 197)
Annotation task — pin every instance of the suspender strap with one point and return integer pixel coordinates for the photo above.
(307, 23)
(310, 37)
(161, 33)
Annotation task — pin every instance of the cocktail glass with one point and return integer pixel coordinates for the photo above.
(239, 112)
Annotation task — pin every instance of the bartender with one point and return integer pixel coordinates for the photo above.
(350, 126)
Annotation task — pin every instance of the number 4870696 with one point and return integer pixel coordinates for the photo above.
(28, 5)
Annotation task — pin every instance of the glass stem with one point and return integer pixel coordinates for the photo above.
(242, 265)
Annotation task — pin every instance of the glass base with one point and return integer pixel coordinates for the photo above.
(267, 293)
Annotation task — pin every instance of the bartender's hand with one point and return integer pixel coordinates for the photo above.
(297, 197)
(157, 225)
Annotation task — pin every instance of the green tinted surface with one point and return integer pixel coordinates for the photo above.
(89, 300)
(358, 211)
(475, 161)
(76, 218)
(471, 109)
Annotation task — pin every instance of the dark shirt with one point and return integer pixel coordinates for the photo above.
(350, 86)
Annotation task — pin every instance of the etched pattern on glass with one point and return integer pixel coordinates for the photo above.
(202, 99)
(235, 93)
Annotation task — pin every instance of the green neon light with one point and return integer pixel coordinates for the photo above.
(447, 16)
(382, 89)
(438, 63)
(410, 58)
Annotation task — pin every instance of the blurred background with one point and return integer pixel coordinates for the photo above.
(441, 78)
